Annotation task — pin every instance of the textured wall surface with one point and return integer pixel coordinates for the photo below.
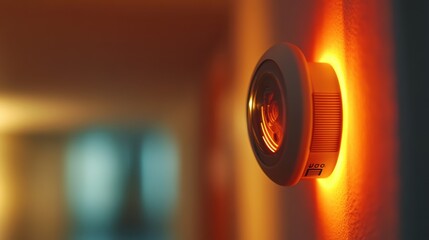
(360, 199)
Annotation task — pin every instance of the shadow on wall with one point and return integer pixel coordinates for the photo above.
(412, 68)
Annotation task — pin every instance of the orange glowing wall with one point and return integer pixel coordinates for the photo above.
(360, 199)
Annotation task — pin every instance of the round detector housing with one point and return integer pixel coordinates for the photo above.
(294, 116)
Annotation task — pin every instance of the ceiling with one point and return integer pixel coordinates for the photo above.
(81, 56)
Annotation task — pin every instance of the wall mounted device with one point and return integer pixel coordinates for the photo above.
(294, 116)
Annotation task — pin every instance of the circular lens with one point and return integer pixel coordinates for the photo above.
(268, 113)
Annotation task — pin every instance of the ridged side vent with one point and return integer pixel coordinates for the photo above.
(327, 122)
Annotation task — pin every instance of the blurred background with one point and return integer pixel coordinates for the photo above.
(126, 120)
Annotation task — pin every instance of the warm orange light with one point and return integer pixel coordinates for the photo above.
(333, 57)
(332, 191)
(361, 182)
(270, 128)
(8, 190)
(4, 198)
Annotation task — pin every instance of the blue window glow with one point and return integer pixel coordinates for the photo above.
(159, 178)
(97, 165)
